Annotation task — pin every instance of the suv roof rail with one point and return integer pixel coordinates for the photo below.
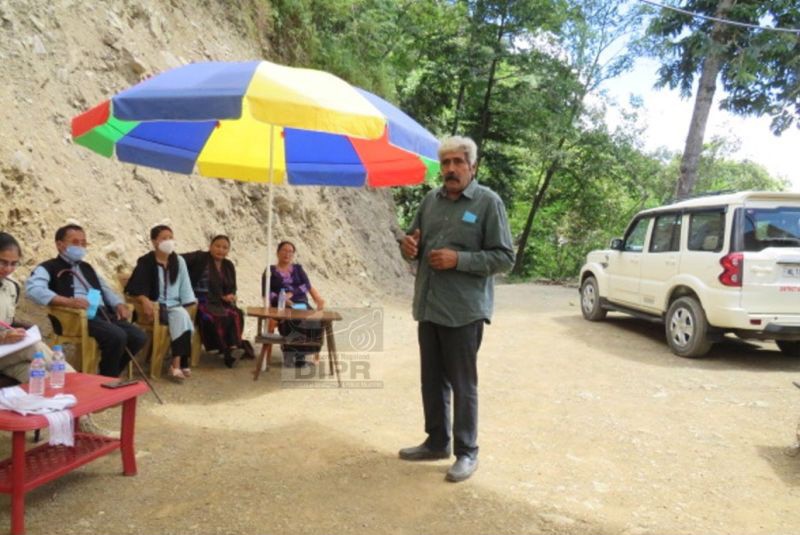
(673, 200)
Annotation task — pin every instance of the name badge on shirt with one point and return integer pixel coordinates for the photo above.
(469, 217)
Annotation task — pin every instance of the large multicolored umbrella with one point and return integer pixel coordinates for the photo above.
(260, 122)
(217, 119)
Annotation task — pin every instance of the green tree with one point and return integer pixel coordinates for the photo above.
(583, 58)
(718, 171)
(474, 71)
(758, 69)
(351, 38)
(603, 180)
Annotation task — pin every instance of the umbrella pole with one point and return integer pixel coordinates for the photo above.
(269, 215)
(269, 225)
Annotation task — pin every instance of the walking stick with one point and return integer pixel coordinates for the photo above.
(136, 364)
(144, 376)
(102, 310)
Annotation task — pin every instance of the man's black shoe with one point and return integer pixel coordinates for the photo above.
(423, 453)
(462, 469)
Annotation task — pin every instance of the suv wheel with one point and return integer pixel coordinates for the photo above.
(789, 348)
(590, 301)
(687, 329)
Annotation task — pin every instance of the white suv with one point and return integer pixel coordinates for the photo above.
(705, 267)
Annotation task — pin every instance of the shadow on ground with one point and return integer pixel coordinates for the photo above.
(299, 478)
(211, 380)
(644, 341)
(784, 460)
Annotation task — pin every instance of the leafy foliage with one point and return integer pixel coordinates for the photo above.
(522, 78)
(761, 70)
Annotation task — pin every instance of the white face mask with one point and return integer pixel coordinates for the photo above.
(167, 246)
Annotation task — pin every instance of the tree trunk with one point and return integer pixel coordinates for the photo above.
(577, 106)
(706, 88)
(457, 111)
(537, 201)
(487, 96)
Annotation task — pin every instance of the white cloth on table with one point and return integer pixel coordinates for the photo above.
(54, 408)
(62, 428)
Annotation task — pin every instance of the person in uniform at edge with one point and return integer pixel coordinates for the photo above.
(460, 238)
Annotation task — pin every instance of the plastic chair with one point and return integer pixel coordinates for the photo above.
(157, 336)
(70, 326)
(197, 343)
(159, 340)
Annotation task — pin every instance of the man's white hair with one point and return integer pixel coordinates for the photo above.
(461, 144)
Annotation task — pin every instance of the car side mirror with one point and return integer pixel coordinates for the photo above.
(616, 244)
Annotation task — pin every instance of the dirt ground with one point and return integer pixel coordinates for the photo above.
(584, 428)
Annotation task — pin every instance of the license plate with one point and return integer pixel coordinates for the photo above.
(791, 272)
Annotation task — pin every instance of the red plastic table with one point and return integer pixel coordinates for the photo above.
(26, 470)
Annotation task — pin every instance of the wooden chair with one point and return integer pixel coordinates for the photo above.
(161, 330)
(158, 336)
(197, 344)
(70, 326)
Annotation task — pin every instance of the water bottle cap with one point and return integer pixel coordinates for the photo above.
(38, 355)
(58, 347)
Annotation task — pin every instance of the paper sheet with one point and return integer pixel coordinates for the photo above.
(33, 335)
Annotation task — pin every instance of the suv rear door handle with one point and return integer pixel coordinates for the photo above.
(671, 261)
(761, 269)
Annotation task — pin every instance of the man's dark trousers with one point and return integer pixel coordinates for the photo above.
(448, 362)
(112, 339)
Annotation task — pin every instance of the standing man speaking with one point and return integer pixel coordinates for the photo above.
(461, 239)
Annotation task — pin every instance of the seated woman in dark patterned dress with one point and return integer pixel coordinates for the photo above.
(292, 279)
(213, 279)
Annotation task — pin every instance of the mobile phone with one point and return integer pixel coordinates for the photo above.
(119, 384)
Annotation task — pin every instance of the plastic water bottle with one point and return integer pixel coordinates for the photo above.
(58, 368)
(282, 299)
(37, 375)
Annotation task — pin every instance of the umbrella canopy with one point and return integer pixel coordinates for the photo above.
(217, 119)
(260, 122)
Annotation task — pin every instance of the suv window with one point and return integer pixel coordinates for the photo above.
(634, 241)
(666, 234)
(706, 231)
(777, 227)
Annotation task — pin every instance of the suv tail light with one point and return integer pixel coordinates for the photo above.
(732, 265)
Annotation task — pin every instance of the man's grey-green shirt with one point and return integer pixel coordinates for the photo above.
(476, 226)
